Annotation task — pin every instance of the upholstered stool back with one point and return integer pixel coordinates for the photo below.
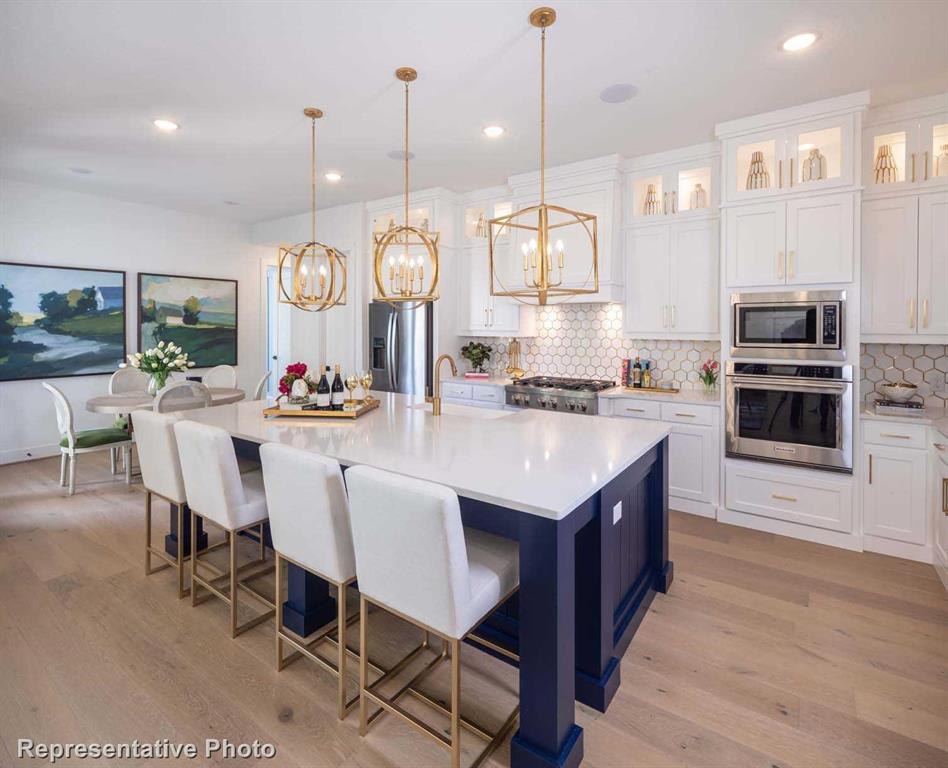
(220, 376)
(309, 510)
(409, 547)
(211, 475)
(158, 455)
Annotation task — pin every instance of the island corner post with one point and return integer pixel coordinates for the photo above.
(586, 582)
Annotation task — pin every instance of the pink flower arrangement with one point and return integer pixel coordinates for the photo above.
(295, 371)
(709, 372)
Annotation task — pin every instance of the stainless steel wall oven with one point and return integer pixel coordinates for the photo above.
(790, 413)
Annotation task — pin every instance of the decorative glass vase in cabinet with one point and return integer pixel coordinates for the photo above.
(699, 197)
(652, 204)
(758, 177)
(941, 161)
(814, 166)
(887, 172)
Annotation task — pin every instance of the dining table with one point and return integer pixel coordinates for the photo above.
(126, 402)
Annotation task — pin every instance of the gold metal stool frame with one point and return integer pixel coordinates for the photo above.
(450, 648)
(169, 561)
(234, 575)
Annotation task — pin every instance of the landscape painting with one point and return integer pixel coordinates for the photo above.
(199, 314)
(60, 321)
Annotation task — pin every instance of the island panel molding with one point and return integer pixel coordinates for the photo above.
(586, 341)
(199, 314)
(60, 321)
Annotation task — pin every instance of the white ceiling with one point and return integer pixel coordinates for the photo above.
(80, 83)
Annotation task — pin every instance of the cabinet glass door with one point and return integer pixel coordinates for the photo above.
(933, 161)
(756, 166)
(820, 154)
(889, 151)
(649, 196)
(695, 191)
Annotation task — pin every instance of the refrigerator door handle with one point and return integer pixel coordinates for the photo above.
(393, 365)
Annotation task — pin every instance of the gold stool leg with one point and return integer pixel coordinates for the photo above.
(179, 556)
(341, 647)
(194, 556)
(233, 583)
(455, 703)
(363, 665)
(278, 577)
(148, 533)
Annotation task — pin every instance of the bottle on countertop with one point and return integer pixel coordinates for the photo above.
(647, 375)
(637, 373)
(323, 397)
(625, 372)
(338, 396)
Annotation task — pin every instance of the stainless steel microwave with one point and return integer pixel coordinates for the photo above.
(798, 325)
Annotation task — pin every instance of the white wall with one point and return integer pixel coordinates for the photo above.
(54, 227)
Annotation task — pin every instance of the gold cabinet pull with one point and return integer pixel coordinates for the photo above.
(782, 498)
(687, 415)
(780, 174)
(924, 313)
(780, 265)
(636, 410)
(791, 171)
(870, 469)
(673, 318)
(790, 270)
(911, 313)
(913, 167)
(665, 203)
(897, 437)
(926, 165)
(674, 201)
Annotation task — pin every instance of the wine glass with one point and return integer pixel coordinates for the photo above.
(366, 379)
(352, 381)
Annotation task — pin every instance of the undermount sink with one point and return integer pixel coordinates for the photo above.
(467, 411)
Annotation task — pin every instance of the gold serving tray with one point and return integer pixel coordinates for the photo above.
(665, 390)
(364, 406)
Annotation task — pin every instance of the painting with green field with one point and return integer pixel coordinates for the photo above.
(199, 314)
(60, 321)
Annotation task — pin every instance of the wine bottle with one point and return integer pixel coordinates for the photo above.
(338, 397)
(323, 397)
(637, 373)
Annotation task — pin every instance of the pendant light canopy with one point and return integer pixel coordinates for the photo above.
(312, 275)
(406, 257)
(550, 252)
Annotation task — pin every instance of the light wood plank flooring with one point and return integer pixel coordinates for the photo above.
(766, 652)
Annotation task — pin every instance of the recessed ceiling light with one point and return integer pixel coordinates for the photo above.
(493, 131)
(231, 202)
(165, 125)
(616, 94)
(799, 42)
(81, 171)
(333, 176)
(399, 154)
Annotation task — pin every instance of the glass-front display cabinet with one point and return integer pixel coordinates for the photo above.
(908, 154)
(419, 217)
(476, 218)
(685, 189)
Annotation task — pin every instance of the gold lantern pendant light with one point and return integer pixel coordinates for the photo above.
(406, 257)
(543, 230)
(312, 276)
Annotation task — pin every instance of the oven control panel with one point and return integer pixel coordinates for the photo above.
(831, 325)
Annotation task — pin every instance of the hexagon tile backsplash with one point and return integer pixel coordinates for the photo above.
(926, 366)
(585, 341)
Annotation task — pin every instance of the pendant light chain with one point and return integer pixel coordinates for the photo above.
(406, 154)
(543, 116)
(313, 178)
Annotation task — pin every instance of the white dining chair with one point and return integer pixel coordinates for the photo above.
(182, 396)
(73, 443)
(415, 560)
(261, 391)
(316, 537)
(220, 495)
(128, 379)
(223, 376)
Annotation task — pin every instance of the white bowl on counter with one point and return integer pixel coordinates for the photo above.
(900, 392)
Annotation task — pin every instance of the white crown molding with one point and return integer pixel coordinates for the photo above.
(905, 110)
(698, 152)
(430, 195)
(815, 110)
(486, 194)
(594, 169)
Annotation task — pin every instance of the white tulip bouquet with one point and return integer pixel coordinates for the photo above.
(160, 361)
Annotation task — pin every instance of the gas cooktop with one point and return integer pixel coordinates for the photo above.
(556, 393)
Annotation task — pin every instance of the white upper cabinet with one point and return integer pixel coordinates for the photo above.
(756, 244)
(820, 239)
(672, 186)
(889, 265)
(672, 281)
(933, 263)
(905, 147)
(797, 150)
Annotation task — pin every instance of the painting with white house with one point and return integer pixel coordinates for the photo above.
(60, 321)
(199, 314)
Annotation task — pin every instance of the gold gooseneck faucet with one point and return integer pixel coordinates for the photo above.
(436, 397)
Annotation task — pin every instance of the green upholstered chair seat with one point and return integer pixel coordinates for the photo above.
(90, 438)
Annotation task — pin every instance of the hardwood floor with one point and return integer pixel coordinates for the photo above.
(767, 651)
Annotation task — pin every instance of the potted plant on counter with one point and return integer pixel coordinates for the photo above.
(296, 372)
(709, 375)
(159, 362)
(479, 355)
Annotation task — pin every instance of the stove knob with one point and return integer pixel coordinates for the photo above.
(571, 405)
(583, 407)
(542, 403)
(554, 404)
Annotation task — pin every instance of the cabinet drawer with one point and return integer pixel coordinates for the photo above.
(895, 434)
(457, 391)
(795, 499)
(637, 409)
(686, 413)
(488, 394)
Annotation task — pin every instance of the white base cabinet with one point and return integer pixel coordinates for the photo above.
(940, 509)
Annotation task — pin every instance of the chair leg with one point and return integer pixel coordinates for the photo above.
(363, 665)
(194, 557)
(179, 556)
(341, 648)
(233, 584)
(455, 703)
(278, 618)
(72, 474)
(127, 457)
(263, 548)
(62, 470)
(112, 458)
(148, 533)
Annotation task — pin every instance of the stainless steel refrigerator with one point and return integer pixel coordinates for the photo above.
(400, 348)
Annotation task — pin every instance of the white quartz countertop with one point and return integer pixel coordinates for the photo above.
(694, 396)
(933, 417)
(529, 460)
(492, 381)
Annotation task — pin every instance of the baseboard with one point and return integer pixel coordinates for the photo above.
(14, 455)
(942, 570)
(700, 508)
(919, 552)
(793, 530)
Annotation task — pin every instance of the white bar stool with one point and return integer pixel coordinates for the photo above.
(415, 560)
(218, 493)
(309, 524)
